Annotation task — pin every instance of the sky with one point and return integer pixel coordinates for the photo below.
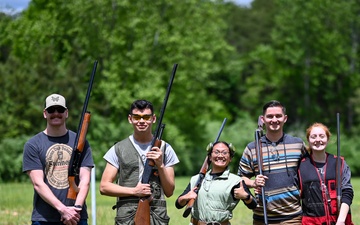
(19, 5)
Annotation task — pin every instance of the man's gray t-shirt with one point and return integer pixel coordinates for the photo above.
(52, 155)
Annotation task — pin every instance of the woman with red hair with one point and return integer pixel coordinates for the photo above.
(317, 175)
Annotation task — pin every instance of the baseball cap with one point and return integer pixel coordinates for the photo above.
(55, 99)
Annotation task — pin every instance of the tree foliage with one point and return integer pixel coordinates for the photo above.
(136, 44)
(318, 58)
(231, 60)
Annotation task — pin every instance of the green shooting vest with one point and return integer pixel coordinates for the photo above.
(129, 164)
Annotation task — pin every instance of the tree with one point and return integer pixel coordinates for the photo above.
(307, 65)
(136, 44)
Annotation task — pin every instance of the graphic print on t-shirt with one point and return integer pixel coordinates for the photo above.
(57, 164)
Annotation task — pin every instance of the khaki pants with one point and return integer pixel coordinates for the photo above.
(293, 221)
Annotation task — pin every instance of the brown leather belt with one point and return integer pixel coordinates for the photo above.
(198, 222)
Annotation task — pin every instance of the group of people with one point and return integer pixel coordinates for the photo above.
(298, 182)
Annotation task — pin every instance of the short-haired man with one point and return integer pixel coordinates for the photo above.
(127, 158)
(281, 155)
(46, 159)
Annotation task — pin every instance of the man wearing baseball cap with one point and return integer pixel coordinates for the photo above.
(46, 160)
(55, 100)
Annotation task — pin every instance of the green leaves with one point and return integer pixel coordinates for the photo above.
(53, 44)
(231, 61)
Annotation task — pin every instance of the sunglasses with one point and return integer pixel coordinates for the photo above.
(138, 117)
(52, 109)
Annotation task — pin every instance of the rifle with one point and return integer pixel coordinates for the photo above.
(338, 166)
(258, 146)
(74, 165)
(142, 216)
(202, 173)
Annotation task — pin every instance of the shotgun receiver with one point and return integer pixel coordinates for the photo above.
(202, 173)
(75, 161)
(142, 216)
(338, 165)
(259, 156)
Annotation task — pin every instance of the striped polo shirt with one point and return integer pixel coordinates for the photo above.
(280, 164)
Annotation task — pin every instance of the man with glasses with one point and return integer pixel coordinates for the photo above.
(126, 160)
(46, 159)
(281, 154)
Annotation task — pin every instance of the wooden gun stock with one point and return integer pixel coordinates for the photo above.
(83, 131)
(142, 216)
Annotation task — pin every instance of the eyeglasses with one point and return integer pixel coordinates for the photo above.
(138, 117)
(59, 109)
(224, 153)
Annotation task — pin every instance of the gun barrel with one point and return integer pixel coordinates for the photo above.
(150, 163)
(258, 147)
(338, 165)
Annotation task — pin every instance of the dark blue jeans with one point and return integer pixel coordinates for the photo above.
(81, 222)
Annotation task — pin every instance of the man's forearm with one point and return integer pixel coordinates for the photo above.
(43, 190)
(167, 178)
(47, 195)
(84, 185)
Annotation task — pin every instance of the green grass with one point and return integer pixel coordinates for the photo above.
(16, 205)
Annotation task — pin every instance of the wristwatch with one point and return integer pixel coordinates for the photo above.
(78, 206)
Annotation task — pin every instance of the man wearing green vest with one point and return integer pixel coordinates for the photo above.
(125, 161)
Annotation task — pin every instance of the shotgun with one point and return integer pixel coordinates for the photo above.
(142, 216)
(80, 140)
(202, 173)
(259, 156)
(338, 166)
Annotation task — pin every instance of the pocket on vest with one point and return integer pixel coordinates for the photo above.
(159, 216)
(125, 216)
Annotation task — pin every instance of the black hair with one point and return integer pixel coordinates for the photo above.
(141, 104)
(229, 145)
(274, 103)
